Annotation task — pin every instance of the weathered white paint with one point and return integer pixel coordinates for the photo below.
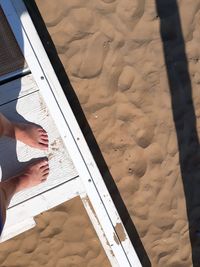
(17, 89)
(73, 139)
(33, 109)
(98, 228)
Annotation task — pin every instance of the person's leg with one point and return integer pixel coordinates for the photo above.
(5, 126)
(30, 134)
(33, 175)
(34, 136)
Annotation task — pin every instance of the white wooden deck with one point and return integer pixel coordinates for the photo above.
(30, 105)
(38, 98)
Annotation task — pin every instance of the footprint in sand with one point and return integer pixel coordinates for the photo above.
(90, 65)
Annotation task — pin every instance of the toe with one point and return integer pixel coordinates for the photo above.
(44, 141)
(45, 174)
(44, 177)
(44, 168)
(44, 136)
(42, 131)
(42, 146)
(43, 163)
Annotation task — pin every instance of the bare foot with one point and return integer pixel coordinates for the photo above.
(33, 175)
(32, 135)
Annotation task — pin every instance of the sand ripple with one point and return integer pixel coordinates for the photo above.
(112, 53)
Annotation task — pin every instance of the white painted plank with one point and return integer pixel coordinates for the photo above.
(14, 158)
(97, 225)
(17, 88)
(20, 217)
(16, 229)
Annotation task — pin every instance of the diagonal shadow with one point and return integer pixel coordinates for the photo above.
(183, 114)
(91, 141)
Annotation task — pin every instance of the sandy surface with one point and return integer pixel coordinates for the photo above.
(63, 237)
(112, 52)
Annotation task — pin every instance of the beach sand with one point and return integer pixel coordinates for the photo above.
(113, 54)
(63, 237)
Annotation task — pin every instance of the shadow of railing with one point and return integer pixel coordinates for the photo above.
(183, 114)
(91, 141)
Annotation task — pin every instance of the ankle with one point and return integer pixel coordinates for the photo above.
(9, 188)
(10, 130)
(7, 127)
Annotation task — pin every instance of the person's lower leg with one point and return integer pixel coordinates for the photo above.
(6, 127)
(33, 175)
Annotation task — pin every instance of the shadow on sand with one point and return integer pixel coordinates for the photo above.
(76, 107)
(183, 114)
